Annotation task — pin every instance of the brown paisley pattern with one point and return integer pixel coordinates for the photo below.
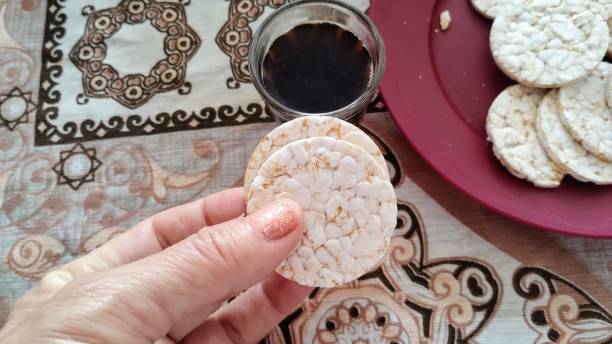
(32, 256)
(407, 299)
(31, 201)
(131, 178)
(559, 311)
(13, 148)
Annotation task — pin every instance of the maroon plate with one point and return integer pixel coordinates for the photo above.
(438, 87)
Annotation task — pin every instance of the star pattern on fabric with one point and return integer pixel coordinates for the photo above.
(77, 166)
(15, 107)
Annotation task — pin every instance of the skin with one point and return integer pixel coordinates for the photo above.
(164, 280)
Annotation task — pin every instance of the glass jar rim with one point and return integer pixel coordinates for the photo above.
(344, 112)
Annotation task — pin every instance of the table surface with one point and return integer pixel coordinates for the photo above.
(105, 123)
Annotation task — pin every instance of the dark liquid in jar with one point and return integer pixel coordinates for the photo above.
(317, 68)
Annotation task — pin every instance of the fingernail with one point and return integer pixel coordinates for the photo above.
(277, 219)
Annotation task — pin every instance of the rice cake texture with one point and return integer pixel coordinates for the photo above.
(489, 8)
(306, 127)
(607, 5)
(350, 208)
(610, 33)
(511, 129)
(609, 93)
(562, 148)
(549, 43)
(585, 113)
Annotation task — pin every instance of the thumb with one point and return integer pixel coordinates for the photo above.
(149, 296)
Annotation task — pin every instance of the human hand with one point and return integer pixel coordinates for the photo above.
(164, 280)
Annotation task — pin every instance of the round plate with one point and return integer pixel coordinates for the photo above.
(438, 86)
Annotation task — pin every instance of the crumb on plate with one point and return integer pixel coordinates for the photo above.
(445, 20)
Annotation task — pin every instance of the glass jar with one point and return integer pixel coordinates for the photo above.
(317, 11)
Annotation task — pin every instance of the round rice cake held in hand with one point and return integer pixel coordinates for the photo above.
(585, 113)
(549, 43)
(350, 208)
(306, 127)
(511, 129)
(562, 148)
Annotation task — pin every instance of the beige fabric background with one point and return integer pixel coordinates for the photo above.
(82, 159)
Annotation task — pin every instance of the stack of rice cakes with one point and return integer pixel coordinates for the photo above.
(557, 121)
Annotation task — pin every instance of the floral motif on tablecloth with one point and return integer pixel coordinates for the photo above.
(364, 313)
(559, 311)
(133, 90)
(102, 80)
(407, 299)
(32, 201)
(235, 36)
(29, 198)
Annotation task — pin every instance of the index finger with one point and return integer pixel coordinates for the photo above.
(162, 230)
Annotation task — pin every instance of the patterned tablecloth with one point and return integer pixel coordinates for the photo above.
(113, 110)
